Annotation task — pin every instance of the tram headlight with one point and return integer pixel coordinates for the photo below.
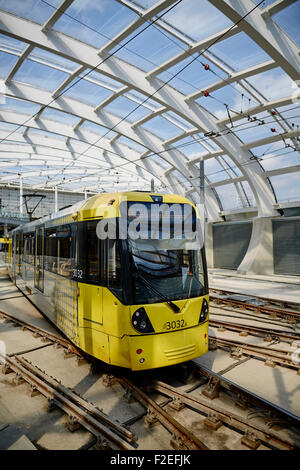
(204, 311)
(141, 322)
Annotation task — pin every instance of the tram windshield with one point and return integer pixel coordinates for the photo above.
(168, 269)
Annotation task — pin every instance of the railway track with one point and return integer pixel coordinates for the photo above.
(108, 432)
(253, 434)
(272, 356)
(111, 434)
(289, 311)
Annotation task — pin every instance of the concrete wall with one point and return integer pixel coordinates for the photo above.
(259, 256)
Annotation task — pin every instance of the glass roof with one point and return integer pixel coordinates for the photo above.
(112, 100)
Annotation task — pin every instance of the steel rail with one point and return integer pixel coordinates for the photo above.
(87, 421)
(186, 438)
(43, 333)
(255, 329)
(227, 417)
(250, 396)
(70, 394)
(270, 310)
(257, 351)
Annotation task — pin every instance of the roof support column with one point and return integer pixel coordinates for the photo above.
(21, 195)
(55, 200)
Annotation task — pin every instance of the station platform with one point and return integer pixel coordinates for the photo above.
(282, 288)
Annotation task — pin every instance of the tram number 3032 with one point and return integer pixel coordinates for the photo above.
(173, 325)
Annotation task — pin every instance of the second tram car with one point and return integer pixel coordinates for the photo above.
(133, 303)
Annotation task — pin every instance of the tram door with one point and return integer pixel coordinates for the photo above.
(39, 259)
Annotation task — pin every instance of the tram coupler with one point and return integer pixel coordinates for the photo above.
(212, 389)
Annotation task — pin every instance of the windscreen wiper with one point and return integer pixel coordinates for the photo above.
(169, 302)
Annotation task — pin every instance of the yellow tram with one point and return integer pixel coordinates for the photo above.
(128, 302)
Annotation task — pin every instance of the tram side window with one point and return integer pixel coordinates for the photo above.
(111, 264)
(93, 252)
(59, 250)
(28, 247)
(50, 261)
(64, 250)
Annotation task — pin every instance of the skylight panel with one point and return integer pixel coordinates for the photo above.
(189, 147)
(97, 129)
(11, 43)
(140, 98)
(179, 120)
(7, 61)
(288, 20)
(35, 10)
(265, 4)
(287, 187)
(253, 131)
(150, 48)
(94, 22)
(146, 3)
(7, 127)
(230, 95)
(161, 127)
(273, 84)
(131, 144)
(20, 106)
(103, 80)
(194, 77)
(276, 155)
(220, 175)
(53, 59)
(40, 75)
(46, 134)
(197, 21)
(247, 194)
(230, 166)
(160, 160)
(229, 197)
(59, 116)
(240, 51)
(87, 92)
(122, 106)
(283, 159)
(212, 168)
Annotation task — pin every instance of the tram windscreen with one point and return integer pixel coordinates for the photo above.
(166, 268)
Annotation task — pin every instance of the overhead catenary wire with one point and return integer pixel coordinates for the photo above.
(203, 139)
(170, 79)
(148, 97)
